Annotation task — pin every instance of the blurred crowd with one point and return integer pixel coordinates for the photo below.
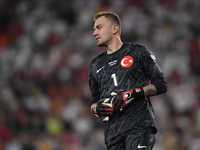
(45, 48)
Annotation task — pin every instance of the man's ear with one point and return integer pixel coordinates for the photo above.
(115, 29)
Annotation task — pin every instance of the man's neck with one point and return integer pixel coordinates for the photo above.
(114, 46)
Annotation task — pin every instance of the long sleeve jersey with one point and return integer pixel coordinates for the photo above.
(132, 66)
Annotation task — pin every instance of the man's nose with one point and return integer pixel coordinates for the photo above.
(94, 33)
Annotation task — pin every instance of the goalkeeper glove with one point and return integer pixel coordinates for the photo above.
(103, 109)
(123, 98)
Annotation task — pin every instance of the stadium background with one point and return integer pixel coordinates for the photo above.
(45, 48)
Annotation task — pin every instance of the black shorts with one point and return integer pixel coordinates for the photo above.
(141, 138)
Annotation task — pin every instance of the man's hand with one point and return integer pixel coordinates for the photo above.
(103, 109)
(122, 98)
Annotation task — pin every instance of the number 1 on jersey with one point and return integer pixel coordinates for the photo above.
(114, 78)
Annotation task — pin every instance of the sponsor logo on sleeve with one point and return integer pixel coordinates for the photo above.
(153, 57)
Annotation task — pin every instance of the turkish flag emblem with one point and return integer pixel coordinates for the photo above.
(126, 61)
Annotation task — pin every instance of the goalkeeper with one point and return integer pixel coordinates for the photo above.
(121, 80)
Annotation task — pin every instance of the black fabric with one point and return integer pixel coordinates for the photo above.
(141, 138)
(130, 67)
(138, 93)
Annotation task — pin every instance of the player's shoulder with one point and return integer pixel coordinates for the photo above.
(137, 48)
(142, 48)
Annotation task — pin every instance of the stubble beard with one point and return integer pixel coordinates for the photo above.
(101, 45)
(104, 43)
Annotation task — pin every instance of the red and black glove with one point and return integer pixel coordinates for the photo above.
(123, 98)
(103, 109)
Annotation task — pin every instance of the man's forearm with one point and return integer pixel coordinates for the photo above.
(150, 90)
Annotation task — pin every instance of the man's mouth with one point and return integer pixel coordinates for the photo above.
(97, 38)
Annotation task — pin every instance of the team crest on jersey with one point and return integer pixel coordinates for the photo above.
(127, 61)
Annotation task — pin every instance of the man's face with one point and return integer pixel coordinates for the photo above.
(103, 31)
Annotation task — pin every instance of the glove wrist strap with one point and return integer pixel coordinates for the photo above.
(138, 93)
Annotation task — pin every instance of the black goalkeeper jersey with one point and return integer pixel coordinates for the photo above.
(132, 66)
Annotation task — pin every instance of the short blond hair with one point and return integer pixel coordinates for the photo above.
(113, 17)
